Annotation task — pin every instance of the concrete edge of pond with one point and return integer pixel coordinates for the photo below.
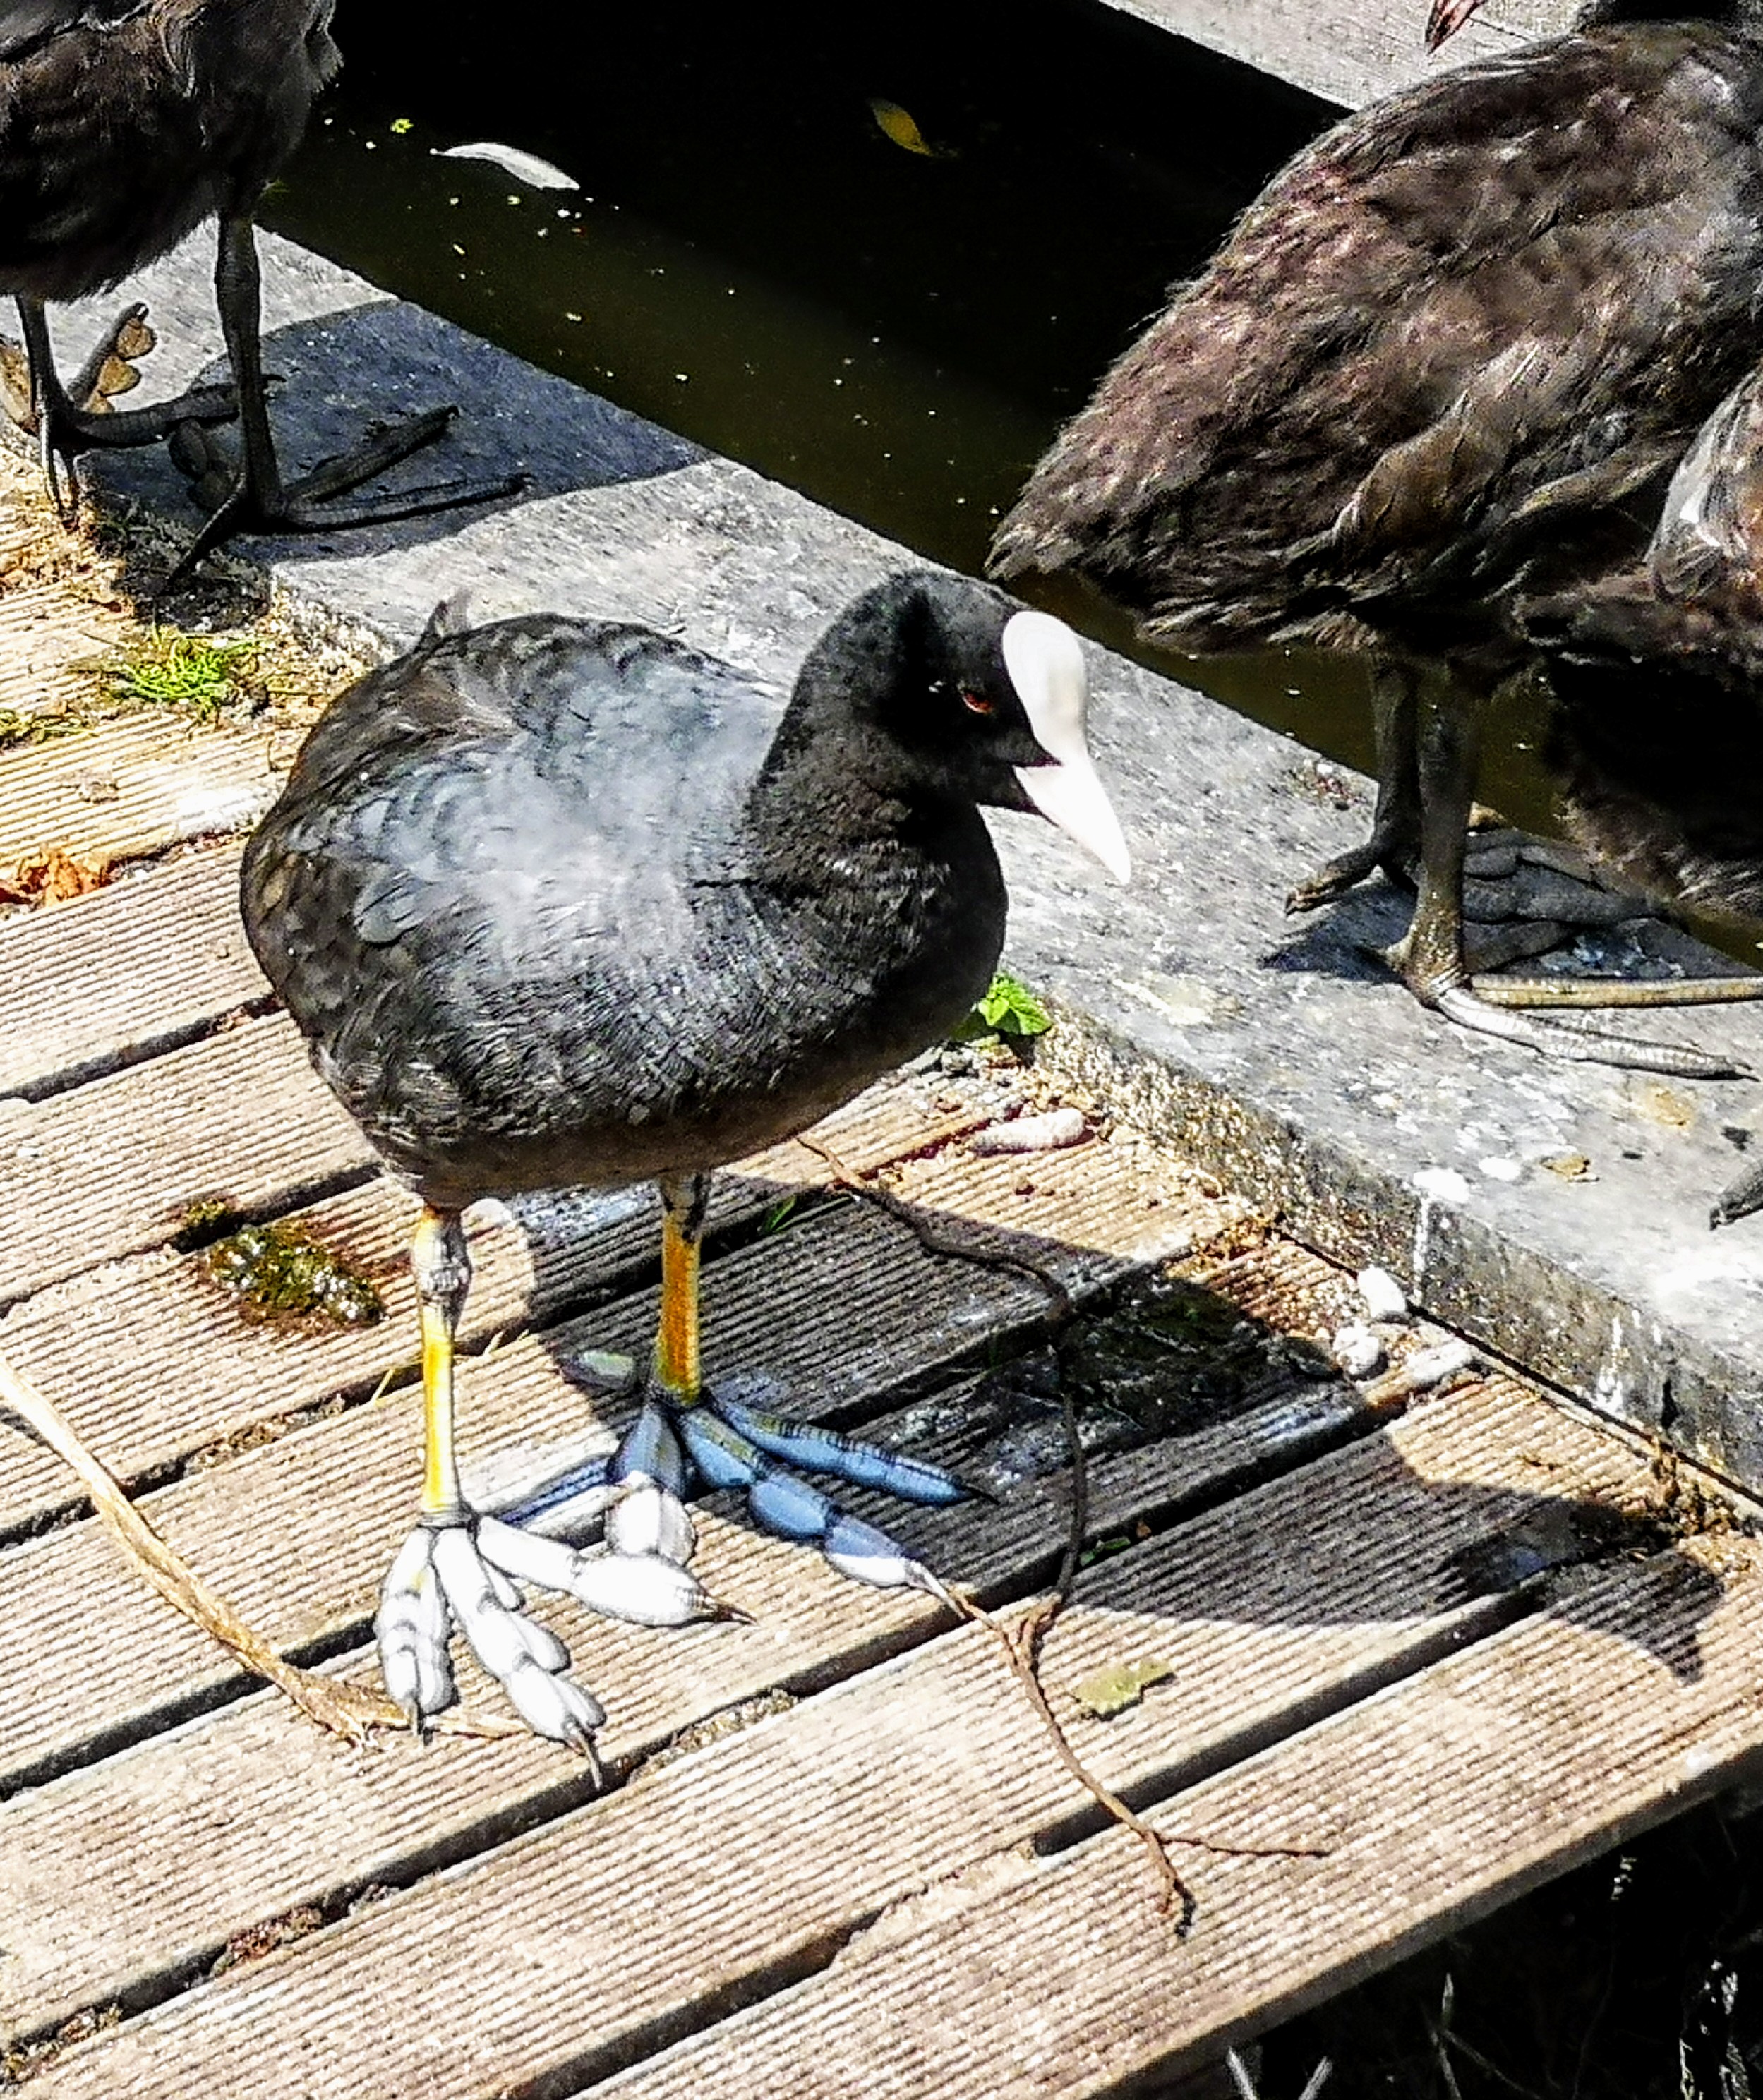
(1274, 1052)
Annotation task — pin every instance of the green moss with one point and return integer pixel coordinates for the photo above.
(283, 1272)
(200, 676)
(16, 728)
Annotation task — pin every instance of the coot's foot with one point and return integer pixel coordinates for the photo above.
(68, 419)
(250, 496)
(1492, 1007)
(731, 1444)
(461, 1575)
(1739, 1198)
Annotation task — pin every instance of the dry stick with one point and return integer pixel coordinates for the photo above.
(1022, 1644)
(345, 1709)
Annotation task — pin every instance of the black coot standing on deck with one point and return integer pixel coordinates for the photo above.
(1450, 356)
(124, 124)
(553, 906)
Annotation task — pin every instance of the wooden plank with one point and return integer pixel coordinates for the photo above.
(50, 632)
(1346, 50)
(152, 1362)
(1632, 1696)
(112, 1167)
(107, 979)
(286, 1820)
(131, 787)
(298, 1533)
(565, 1953)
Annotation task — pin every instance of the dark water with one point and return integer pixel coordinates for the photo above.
(754, 262)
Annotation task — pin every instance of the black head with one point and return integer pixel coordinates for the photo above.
(973, 696)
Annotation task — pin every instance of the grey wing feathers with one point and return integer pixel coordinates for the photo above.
(24, 23)
(1710, 534)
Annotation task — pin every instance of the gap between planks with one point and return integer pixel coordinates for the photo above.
(566, 1954)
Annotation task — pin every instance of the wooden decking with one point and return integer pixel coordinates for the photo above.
(1419, 1658)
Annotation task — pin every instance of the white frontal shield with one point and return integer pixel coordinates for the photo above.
(1046, 667)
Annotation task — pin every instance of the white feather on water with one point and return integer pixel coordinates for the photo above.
(523, 167)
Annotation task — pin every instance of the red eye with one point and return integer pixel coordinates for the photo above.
(978, 704)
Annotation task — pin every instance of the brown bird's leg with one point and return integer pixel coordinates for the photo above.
(252, 497)
(67, 422)
(1394, 844)
(1429, 957)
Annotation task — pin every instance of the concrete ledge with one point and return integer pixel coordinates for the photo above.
(1347, 50)
(1275, 1053)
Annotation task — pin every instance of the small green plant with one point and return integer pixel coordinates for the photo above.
(276, 1271)
(1010, 1009)
(167, 669)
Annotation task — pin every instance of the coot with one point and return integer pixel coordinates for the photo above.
(123, 124)
(1656, 675)
(1451, 356)
(553, 905)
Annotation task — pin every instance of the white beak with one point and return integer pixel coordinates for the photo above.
(1046, 667)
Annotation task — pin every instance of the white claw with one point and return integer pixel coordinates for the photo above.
(643, 1587)
(522, 1656)
(866, 1555)
(577, 1518)
(651, 1518)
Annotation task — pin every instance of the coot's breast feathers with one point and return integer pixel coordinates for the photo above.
(1475, 308)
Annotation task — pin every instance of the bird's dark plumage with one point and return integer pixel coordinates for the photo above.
(1435, 353)
(554, 905)
(124, 124)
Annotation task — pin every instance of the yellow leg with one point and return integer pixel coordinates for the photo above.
(677, 1369)
(443, 1270)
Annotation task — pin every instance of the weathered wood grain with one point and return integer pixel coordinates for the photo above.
(111, 1168)
(639, 1917)
(287, 1817)
(1346, 50)
(120, 973)
(152, 1362)
(1438, 1800)
(298, 1533)
(49, 632)
(131, 787)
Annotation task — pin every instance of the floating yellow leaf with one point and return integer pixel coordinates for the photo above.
(898, 125)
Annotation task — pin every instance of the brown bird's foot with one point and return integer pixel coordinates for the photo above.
(250, 497)
(1739, 1198)
(1494, 1006)
(67, 420)
(1395, 859)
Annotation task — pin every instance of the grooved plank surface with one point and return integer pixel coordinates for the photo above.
(105, 978)
(154, 1361)
(298, 1533)
(1634, 1694)
(286, 1816)
(112, 1167)
(802, 1830)
(48, 632)
(130, 787)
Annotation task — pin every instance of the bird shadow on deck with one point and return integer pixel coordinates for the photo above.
(1235, 1479)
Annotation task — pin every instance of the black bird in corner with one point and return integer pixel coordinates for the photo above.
(553, 904)
(1656, 675)
(124, 124)
(1450, 358)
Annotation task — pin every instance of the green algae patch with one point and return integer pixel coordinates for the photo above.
(279, 1272)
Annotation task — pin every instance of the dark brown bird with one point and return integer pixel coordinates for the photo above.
(1656, 676)
(1449, 358)
(124, 124)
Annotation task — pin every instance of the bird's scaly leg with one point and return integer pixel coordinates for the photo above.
(1429, 958)
(1395, 840)
(735, 1445)
(249, 495)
